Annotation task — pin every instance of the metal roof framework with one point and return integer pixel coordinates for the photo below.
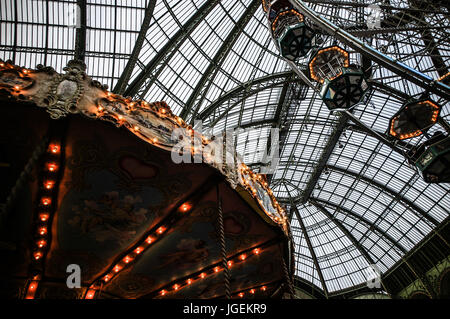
(356, 200)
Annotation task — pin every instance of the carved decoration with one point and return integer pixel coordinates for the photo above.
(75, 92)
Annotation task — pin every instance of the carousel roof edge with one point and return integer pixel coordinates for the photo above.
(74, 92)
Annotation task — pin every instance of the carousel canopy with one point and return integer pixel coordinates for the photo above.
(353, 201)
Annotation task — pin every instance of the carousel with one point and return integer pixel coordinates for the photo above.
(98, 183)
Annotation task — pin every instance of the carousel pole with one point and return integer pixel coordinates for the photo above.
(223, 248)
(382, 59)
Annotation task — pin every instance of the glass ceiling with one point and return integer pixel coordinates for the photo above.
(216, 61)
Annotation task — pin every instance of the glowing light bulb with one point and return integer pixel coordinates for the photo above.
(46, 201)
(43, 217)
(127, 259)
(189, 281)
(149, 240)
(163, 292)
(37, 255)
(241, 295)
(161, 230)
(216, 269)
(176, 287)
(263, 288)
(256, 251)
(90, 294)
(52, 167)
(252, 291)
(42, 231)
(202, 275)
(138, 250)
(117, 268)
(230, 263)
(242, 257)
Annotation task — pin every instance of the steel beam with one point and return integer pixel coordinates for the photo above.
(370, 225)
(197, 96)
(347, 233)
(322, 162)
(126, 74)
(386, 189)
(259, 84)
(311, 249)
(80, 35)
(141, 84)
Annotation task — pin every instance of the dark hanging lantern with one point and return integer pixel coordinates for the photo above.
(296, 41)
(414, 118)
(343, 85)
(345, 90)
(434, 162)
(327, 63)
(294, 37)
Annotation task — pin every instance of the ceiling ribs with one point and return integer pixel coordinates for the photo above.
(80, 35)
(144, 80)
(126, 74)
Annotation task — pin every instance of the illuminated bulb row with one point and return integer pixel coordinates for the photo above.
(50, 167)
(184, 283)
(132, 255)
(251, 292)
(258, 179)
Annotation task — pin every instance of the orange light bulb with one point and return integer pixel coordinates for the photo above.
(256, 251)
(185, 207)
(202, 275)
(46, 201)
(41, 243)
(242, 257)
(54, 148)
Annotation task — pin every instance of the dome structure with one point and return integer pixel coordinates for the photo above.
(353, 198)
